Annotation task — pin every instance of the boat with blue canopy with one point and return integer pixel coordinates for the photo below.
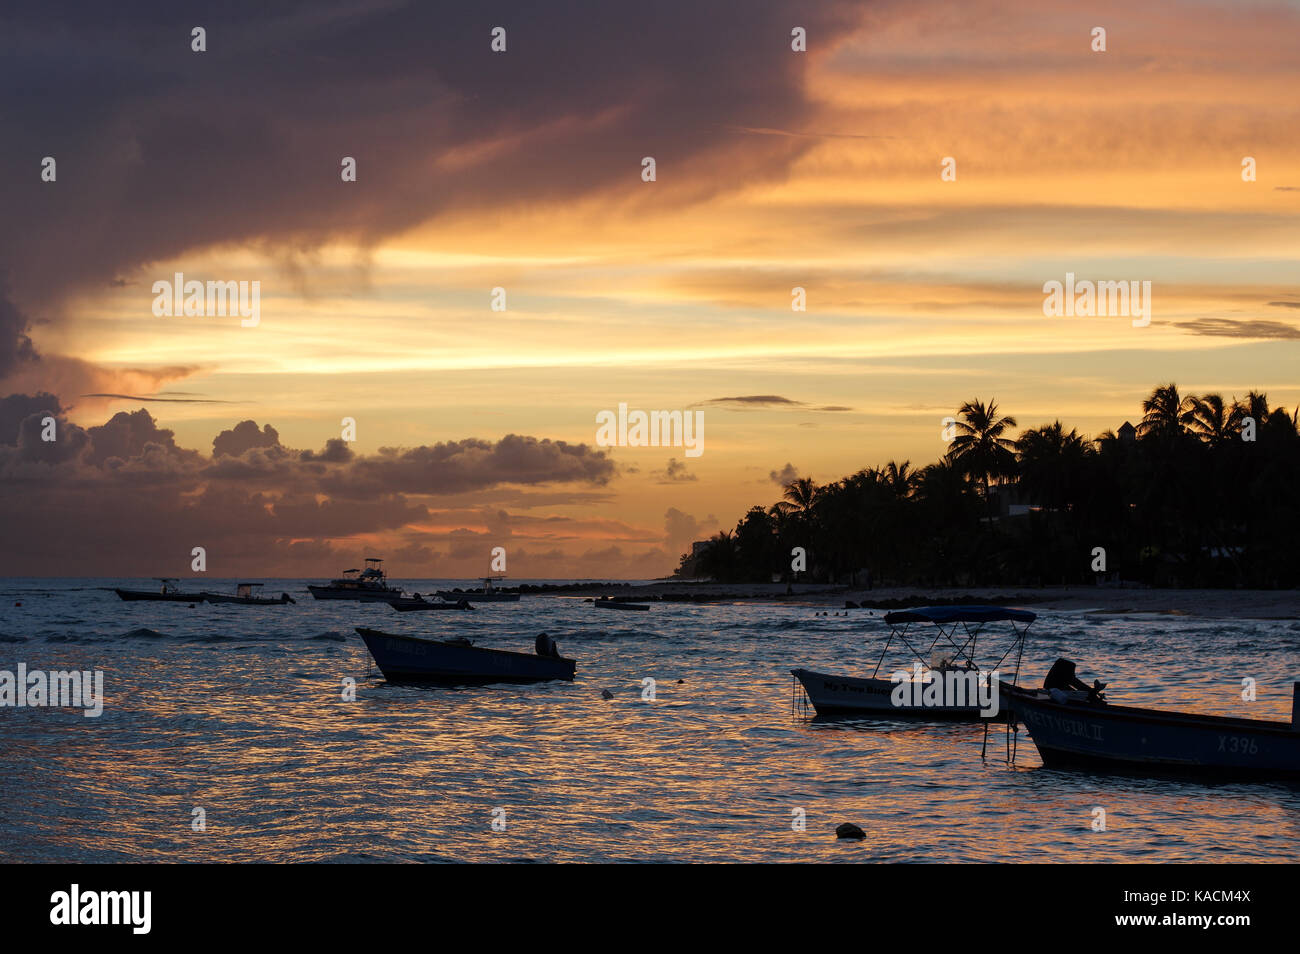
(943, 682)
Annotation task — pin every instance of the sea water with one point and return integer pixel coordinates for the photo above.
(228, 733)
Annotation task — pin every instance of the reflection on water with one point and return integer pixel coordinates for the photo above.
(238, 711)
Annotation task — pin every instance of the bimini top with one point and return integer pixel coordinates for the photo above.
(959, 614)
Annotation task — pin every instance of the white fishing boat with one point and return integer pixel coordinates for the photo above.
(943, 681)
(368, 585)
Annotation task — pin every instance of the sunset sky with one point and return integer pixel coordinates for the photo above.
(522, 169)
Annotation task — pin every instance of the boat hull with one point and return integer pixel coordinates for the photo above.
(478, 597)
(610, 604)
(247, 600)
(420, 606)
(1150, 741)
(132, 595)
(408, 659)
(364, 596)
(833, 695)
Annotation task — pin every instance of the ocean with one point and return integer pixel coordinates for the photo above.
(235, 717)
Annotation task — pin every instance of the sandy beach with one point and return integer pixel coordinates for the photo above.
(1238, 604)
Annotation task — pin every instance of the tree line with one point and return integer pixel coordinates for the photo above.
(1202, 492)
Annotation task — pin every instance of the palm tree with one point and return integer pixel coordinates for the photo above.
(1255, 407)
(802, 494)
(980, 450)
(1166, 413)
(1052, 464)
(900, 478)
(1210, 419)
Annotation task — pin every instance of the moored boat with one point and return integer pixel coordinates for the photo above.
(942, 683)
(418, 604)
(247, 594)
(955, 698)
(1074, 733)
(486, 595)
(458, 662)
(368, 585)
(167, 593)
(606, 603)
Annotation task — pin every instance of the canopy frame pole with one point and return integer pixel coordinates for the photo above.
(903, 638)
(971, 638)
(881, 660)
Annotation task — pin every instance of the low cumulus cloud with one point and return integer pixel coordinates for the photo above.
(681, 529)
(674, 472)
(785, 476)
(124, 497)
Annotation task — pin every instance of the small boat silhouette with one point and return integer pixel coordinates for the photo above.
(247, 594)
(167, 593)
(457, 662)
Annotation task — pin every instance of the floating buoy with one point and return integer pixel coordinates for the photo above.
(606, 694)
(850, 830)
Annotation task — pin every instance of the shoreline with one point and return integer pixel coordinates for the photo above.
(1213, 604)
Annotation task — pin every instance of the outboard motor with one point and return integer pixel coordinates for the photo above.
(546, 646)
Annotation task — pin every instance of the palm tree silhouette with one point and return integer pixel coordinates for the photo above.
(900, 478)
(1166, 413)
(1210, 419)
(802, 494)
(1052, 464)
(1255, 407)
(1187, 504)
(980, 450)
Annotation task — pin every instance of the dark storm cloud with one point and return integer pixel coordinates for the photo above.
(15, 345)
(161, 150)
(15, 408)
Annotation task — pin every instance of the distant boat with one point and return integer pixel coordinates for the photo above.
(950, 665)
(248, 594)
(458, 662)
(166, 593)
(368, 585)
(419, 604)
(607, 603)
(485, 595)
(1070, 733)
